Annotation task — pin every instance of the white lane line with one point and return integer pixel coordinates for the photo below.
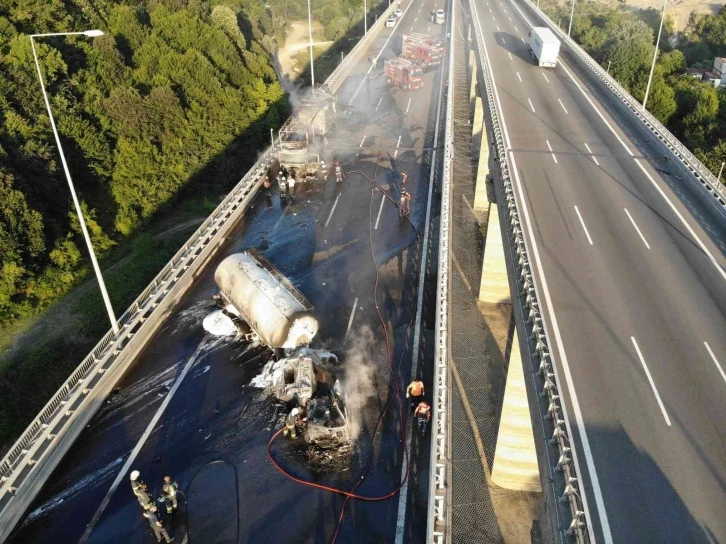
(365, 77)
(583, 225)
(428, 28)
(332, 209)
(380, 210)
(395, 154)
(494, 19)
(398, 143)
(498, 29)
(550, 148)
(363, 140)
(140, 444)
(636, 228)
(510, 19)
(415, 19)
(682, 219)
(510, 55)
(723, 375)
(409, 105)
(524, 41)
(379, 103)
(503, 42)
(652, 383)
(411, 29)
(490, 10)
(579, 421)
(516, 29)
(545, 76)
(350, 321)
(519, 77)
(590, 152)
(530, 105)
(563, 106)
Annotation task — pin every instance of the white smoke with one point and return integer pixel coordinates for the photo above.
(358, 379)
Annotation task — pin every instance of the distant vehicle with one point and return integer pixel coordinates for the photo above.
(422, 49)
(398, 13)
(404, 74)
(438, 17)
(391, 21)
(544, 46)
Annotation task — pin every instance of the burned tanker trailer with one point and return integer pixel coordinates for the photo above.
(259, 303)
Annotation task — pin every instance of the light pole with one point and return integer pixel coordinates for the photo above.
(572, 14)
(365, 17)
(608, 70)
(720, 171)
(655, 55)
(310, 33)
(76, 203)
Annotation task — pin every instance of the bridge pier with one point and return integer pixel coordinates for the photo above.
(515, 458)
(494, 286)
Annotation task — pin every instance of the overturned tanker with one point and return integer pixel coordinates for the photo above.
(261, 303)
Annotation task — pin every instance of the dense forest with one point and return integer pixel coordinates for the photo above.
(693, 110)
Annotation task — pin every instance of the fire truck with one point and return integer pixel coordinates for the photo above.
(302, 137)
(422, 49)
(404, 74)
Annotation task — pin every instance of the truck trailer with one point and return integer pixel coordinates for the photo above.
(422, 49)
(404, 74)
(544, 46)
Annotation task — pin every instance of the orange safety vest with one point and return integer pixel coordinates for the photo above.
(417, 388)
(423, 409)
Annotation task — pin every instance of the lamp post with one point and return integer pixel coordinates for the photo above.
(310, 33)
(572, 14)
(76, 203)
(655, 55)
(720, 171)
(365, 17)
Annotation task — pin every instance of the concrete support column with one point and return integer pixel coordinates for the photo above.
(515, 458)
(472, 87)
(477, 127)
(494, 287)
(481, 197)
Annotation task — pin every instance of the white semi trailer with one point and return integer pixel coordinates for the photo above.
(544, 46)
(258, 300)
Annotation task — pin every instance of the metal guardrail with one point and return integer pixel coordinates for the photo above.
(29, 462)
(440, 459)
(691, 163)
(577, 525)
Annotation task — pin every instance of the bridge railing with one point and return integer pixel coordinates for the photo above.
(31, 460)
(707, 182)
(563, 472)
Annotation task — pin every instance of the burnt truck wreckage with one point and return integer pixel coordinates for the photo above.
(307, 380)
(261, 304)
(303, 136)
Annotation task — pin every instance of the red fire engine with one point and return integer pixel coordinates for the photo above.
(404, 74)
(422, 49)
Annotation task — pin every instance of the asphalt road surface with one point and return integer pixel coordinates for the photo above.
(631, 269)
(212, 436)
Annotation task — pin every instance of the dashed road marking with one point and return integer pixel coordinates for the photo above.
(584, 227)
(718, 365)
(652, 383)
(550, 148)
(563, 106)
(530, 105)
(636, 228)
(593, 156)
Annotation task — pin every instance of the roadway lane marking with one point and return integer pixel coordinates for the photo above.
(498, 29)
(415, 19)
(363, 140)
(655, 184)
(379, 103)
(530, 105)
(365, 77)
(510, 19)
(398, 143)
(583, 225)
(140, 444)
(332, 209)
(545, 76)
(510, 55)
(503, 42)
(494, 19)
(516, 29)
(590, 152)
(409, 105)
(428, 28)
(519, 77)
(379, 211)
(636, 228)
(723, 375)
(411, 29)
(652, 383)
(553, 155)
(563, 106)
(395, 154)
(350, 321)
(594, 479)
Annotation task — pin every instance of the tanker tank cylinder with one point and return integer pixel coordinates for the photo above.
(265, 300)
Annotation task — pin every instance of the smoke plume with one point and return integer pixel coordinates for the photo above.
(360, 371)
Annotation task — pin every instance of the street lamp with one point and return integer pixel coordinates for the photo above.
(365, 17)
(655, 54)
(720, 171)
(76, 203)
(572, 14)
(310, 33)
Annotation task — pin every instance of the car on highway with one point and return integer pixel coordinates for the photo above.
(391, 21)
(398, 13)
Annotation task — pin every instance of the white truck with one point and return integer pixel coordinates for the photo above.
(544, 46)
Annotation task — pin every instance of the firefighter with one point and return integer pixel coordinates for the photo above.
(283, 187)
(404, 204)
(338, 173)
(423, 416)
(291, 184)
(141, 491)
(267, 184)
(156, 524)
(291, 423)
(415, 391)
(168, 491)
